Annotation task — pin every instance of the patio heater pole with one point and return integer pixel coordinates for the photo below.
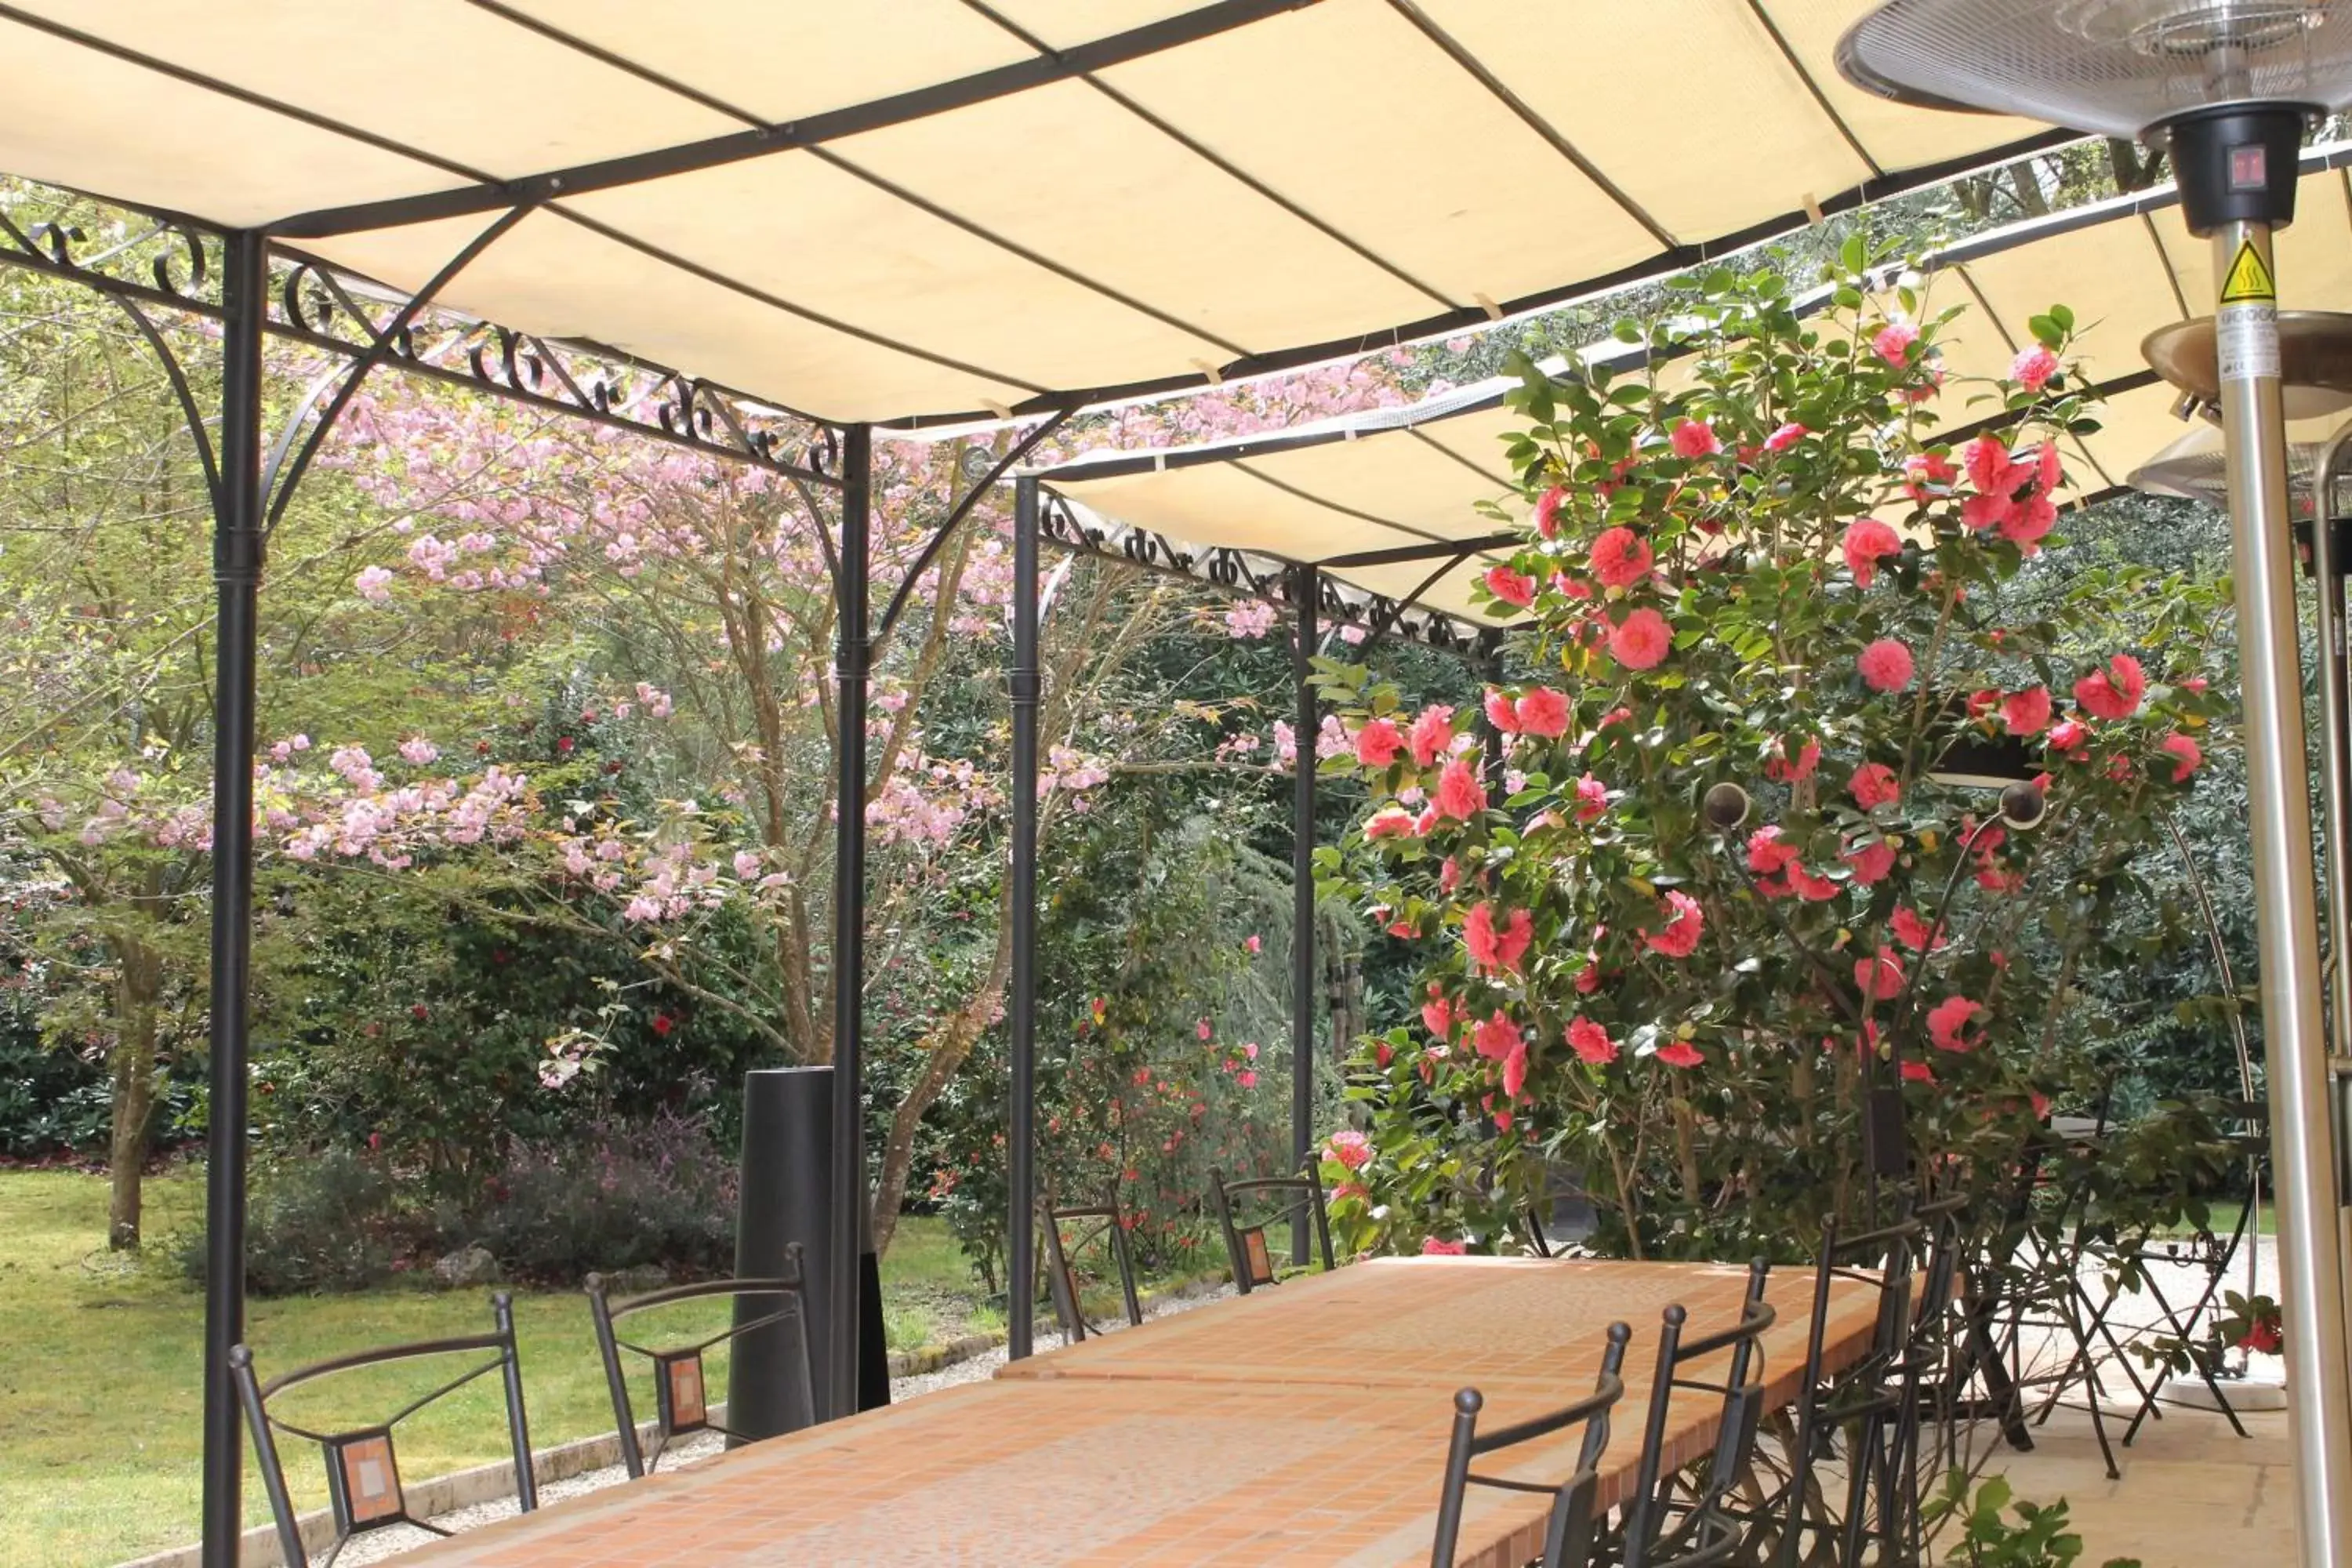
(2286, 906)
(853, 650)
(236, 570)
(1307, 583)
(1020, 1228)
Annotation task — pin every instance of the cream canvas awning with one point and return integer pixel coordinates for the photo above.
(897, 209)
(1400, 478)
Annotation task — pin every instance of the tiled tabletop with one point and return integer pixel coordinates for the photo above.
(1302, 1424)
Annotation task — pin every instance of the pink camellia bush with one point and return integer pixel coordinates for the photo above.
(1688, 1013)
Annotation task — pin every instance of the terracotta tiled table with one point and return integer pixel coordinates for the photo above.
(1303, 1425)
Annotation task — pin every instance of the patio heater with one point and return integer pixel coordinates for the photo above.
(2226, 87)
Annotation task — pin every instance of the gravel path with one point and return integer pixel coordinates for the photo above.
(388, 1544)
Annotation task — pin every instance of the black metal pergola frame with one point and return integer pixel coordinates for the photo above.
(255, 290)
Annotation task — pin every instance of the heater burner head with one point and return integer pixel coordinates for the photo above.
(2121, 68)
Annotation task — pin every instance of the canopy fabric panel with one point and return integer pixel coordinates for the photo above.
(921, 209)
(1401, 478)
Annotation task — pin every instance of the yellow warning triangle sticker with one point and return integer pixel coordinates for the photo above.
(2249, 282)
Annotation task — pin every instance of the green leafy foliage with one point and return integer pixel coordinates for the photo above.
(2037, 1539)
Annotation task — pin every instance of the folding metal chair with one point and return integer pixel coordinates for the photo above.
(363, 1486)
(1246, 1245)
(1568, 1533)
(1105, 1228)
(2212, 1257)
(681, 1395)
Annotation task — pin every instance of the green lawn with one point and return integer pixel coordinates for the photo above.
(100, 1378)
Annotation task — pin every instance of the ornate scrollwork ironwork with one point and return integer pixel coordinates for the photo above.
(319, 306)
(136, 256)
(1248, 572)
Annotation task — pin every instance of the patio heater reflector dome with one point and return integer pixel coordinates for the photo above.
(2123, 68)
(2194, 469)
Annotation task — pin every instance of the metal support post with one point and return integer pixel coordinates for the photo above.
(2285, 899)
(237, 570)
(1309, 584)
(1020, 1144)
(2335, 791)
(852, 651)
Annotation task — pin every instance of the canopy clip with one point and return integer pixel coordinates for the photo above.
(1216, 376)
(1811, 206)
(1486, 303)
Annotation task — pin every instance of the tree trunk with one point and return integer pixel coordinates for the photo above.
(137, 995)
(945, 1052)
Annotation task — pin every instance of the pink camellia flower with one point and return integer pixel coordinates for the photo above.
(1460, 795)
(1685, 923)
(1390, 822)
(1349, 1148)
(1811, 889)
(2194, 683)
(2029, 521)
(1449, 876)
(1786, 437)
(1203, 1029)
(1433, 1248)
(1874, 784)
(1512, 587)
(1548, 511)
(1432, 733)
(1918, 1072)
(1497, 952)
(2067, 738)
(1591, 1042)
(1377, 742)
(1927, 475)
(1866, 540)
(2033, 368)
(1911, 931)
(1500, 713)
(1886, 665)
(1500, 1040)
(1588, 979)
(1680, 1054)
(1872, 862)
(1881, 977)
(1766, 856)
(1990, 468)
(2113, 690)
(1981, 512)
(1619, 558)
(1591, 799)
(1694, 438)
(1437, 1014)
(1543, 712)
(2026, 713)
(1947, 1024)
(1248, 1078)
(1780, 770)
(1982, 701)
(1894, 341)
(1252, 943)
(1641, 640)
(2191, 756)
(1427, 820)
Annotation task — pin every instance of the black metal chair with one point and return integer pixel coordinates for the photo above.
(1659, 1528)
(1874, 1403)
(363, 1486)
(1567, 1533)
(2210, 1255)
(1246, 1245)
(681, 1396)
(1103, 1227)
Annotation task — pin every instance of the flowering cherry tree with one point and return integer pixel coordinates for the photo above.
(1714, 871)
